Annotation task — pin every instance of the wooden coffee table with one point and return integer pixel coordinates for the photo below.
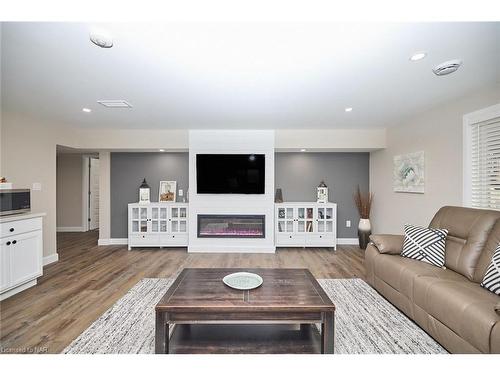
(287, 296)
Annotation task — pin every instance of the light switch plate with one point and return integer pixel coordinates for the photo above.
(37, 186)
(348, 223)
(181, 192)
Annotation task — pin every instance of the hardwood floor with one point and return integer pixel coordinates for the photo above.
(89, 279)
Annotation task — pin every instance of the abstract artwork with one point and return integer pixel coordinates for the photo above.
(409, 173)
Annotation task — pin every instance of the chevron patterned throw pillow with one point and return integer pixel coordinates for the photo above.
(491, 279)
(425, 244)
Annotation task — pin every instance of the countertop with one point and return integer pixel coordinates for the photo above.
(29, 215)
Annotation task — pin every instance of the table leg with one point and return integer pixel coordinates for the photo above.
(327, 333)
(161, 333)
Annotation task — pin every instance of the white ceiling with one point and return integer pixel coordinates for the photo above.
(241, 75)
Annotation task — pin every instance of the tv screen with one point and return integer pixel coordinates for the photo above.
(230, 173)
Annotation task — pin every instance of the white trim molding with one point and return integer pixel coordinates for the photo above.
(49, 259)
(124, 241)
(71, 229)
(347, 241)
(470, 119)
(112, 241)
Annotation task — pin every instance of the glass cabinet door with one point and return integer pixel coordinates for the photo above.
(305, 219)
(135, 219)
(155, 223)
(324, 219)
(178, 219)
(285, 219)
(163, 220)
(143, 219)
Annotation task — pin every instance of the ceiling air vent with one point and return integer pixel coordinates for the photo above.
(447, 67)
(115, 103)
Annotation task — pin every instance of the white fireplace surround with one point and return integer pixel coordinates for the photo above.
(232, 142)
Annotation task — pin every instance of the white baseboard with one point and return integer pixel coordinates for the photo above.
(112, 241)
(71, 229)
(124, 241)
(347, 241)
(17, 289)
(50, 259)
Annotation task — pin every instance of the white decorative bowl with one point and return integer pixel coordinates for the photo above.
(243, 280)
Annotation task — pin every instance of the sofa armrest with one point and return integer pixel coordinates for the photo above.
(388, 243)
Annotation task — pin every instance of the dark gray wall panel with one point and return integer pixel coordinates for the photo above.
(298, 175)
(127, 171)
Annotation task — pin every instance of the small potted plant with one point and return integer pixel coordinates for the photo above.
(363, 203)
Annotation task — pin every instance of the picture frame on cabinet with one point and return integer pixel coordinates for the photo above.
(167, 191)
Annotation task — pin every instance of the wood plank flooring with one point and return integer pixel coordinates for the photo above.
(89, 279)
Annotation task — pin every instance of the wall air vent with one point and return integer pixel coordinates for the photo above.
(115, 103)
(447, 67)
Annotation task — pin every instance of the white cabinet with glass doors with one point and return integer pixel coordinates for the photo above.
(157, 225)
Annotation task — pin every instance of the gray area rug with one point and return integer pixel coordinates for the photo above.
(365, 323)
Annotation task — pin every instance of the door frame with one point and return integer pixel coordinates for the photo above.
(86, 190)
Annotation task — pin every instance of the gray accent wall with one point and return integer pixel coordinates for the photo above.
(299, 174)
(127, 171)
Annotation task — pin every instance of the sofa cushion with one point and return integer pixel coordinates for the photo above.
(388, 243)
(468, 231)
(487, 253)
(425, 244)
(400, 272)
(491, 280)
(461, 305)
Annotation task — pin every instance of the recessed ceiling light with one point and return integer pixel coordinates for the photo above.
(101, 38)
(418, 56)
(303, 150)
(348, 109)
(162, 150)
(87, 110)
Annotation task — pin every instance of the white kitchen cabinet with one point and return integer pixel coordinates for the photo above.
(21, 253)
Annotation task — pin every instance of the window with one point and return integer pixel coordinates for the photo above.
(484, 174)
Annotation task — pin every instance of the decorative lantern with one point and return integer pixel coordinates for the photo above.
(144, 192)
(322, 193)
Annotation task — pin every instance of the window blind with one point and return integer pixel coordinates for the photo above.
(485, 184)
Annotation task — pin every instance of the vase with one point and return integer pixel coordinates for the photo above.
(364, 231)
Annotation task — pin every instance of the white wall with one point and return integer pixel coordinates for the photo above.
(69, 190)
(29, 155)
(438, 132)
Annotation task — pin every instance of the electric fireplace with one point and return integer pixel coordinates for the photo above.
(231, 226)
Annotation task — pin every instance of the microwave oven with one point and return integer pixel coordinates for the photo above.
(14, 201)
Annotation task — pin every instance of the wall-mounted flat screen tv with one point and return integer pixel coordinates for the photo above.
(230, 173)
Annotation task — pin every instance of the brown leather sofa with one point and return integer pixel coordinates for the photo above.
(449, 304)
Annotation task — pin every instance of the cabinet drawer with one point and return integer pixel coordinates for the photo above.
(174, 239)
(21, 226)
(144, 240)
(320, 239)
(290, 239)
